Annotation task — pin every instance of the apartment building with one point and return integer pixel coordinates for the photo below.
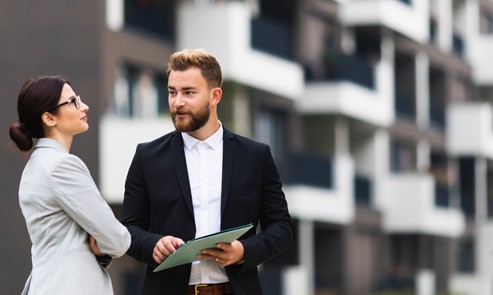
(378, 113)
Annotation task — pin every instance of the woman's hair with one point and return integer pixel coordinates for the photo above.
(208, 65)
(37, 96)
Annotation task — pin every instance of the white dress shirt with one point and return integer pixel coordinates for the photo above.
(204, 163)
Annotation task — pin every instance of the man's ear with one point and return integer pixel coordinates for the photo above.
(217, 93)
(48, 119)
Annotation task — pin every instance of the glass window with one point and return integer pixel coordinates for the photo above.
(270, 127)
(139, 92)
(153, 16)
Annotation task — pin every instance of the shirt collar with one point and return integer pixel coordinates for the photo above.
(213, 141)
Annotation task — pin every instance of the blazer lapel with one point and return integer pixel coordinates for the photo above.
(181, 168)
(228, 154)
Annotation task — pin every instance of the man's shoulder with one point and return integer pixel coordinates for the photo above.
(242, 140)
(160, 141)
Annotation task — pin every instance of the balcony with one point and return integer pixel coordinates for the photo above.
(471, 284)
(333, 204)
(469, 129)
(408, 19)
(118, 139)
(351, 97)
(306, 169)
(342, 67)
(479, 52)
(271, 37)
(225, 30)
(410, 207)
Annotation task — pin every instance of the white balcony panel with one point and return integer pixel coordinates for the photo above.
(348, 99)
(482, 71)
(409, 207)
(409, 20)
(476, 284)
(296, 280)
(470, 129)
(117, 143)
(224, 30)
(327, 205)
(484, 249)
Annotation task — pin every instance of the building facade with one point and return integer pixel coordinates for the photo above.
(378, 113)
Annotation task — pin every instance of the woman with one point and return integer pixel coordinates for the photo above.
(59, 200)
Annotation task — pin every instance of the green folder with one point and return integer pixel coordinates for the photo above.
(189, 251)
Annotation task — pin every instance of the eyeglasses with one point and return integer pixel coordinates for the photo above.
(75, 99)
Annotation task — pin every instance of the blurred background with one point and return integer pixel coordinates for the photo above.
(378, 113)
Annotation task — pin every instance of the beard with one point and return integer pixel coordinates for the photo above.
(194, 122)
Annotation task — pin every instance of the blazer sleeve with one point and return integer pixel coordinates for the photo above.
(277, 229)
(77, 194)
(136, 212)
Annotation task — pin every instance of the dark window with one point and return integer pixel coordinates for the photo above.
(162, 93)
(155, 17)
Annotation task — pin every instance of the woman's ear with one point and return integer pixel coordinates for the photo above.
(48, 119)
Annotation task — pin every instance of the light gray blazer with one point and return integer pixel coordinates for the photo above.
(62, 205)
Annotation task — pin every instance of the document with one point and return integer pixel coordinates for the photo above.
(189, 251)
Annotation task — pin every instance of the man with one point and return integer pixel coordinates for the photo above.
(198, 180)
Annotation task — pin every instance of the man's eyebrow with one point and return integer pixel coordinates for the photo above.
(182, 89)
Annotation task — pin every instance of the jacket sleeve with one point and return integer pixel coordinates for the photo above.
(77, 194)
(277, 229)
(136, 213)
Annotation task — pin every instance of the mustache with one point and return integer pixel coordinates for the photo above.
(180, 112)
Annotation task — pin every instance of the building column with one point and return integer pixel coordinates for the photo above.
(422, 90)
(306, 243)
(445, 25)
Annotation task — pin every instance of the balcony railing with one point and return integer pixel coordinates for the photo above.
(307, 169)
(442, 195)
(271, 37)
(405, 105)
(346, 68)
(437, 116)
(458, 44)
(363, 190)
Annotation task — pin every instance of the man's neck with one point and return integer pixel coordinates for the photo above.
(206, 131)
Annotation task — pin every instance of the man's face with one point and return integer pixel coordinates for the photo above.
(189, 99)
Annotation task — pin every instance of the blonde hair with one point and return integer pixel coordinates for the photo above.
(208, 65)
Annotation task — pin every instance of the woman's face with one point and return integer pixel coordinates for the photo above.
(70, 119)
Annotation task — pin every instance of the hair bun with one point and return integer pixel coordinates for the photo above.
(21, 136)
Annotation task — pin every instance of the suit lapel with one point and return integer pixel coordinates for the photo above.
(181, 169)
(228, 154)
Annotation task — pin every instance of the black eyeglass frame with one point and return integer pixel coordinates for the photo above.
(74, 99)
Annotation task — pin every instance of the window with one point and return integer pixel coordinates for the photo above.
(270, 127)
(139, 92)
(152, 16)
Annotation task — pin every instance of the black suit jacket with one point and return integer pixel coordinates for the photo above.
(158, 202)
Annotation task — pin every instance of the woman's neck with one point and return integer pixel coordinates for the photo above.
(64, 140)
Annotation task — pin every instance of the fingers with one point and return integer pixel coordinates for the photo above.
(165, 247)
(93, 246)
(224, 254)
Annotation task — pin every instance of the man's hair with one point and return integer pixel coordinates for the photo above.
(208, 65)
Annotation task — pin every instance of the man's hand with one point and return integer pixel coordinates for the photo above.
(165, 247)
(225, 254)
